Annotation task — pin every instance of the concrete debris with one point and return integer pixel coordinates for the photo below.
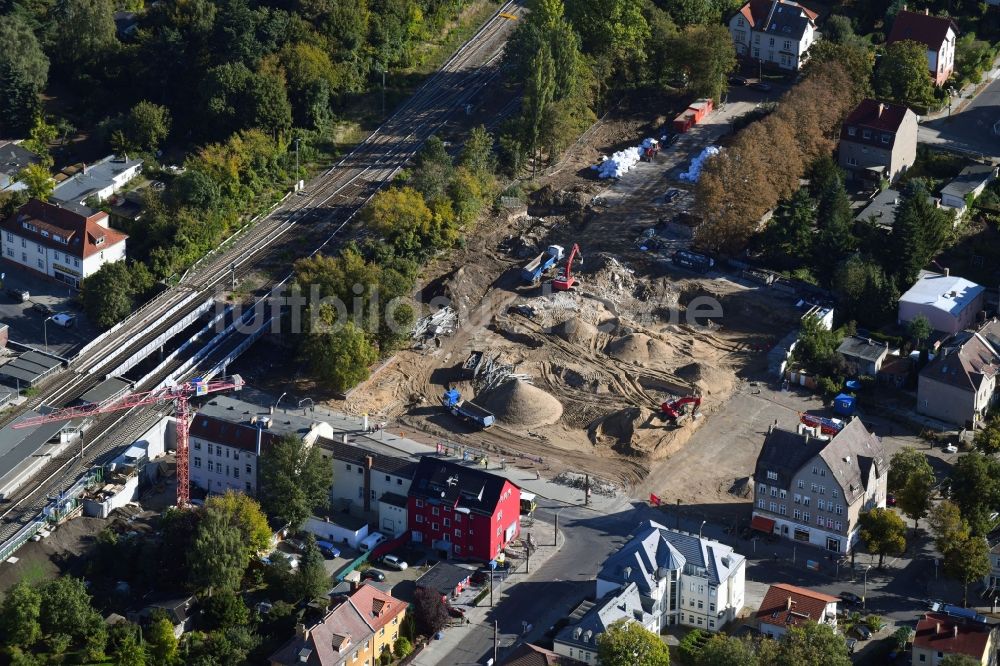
(442, 322)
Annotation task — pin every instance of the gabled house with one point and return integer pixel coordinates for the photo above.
(579, 640)
(462, 511)
(863, 356)
(814, 489)
(177, 611)
(940, 635)
(937, 33)
(527, 654)
(950, 303)
(682, 579)
(878, 140)
(776, 32)
(358, 632)
(785, 606)
(959, 385)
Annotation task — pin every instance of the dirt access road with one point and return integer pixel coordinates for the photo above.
(586, 370)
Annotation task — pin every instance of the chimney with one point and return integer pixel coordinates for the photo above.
(301, 631)
(937, 628)
(788, 604)
(954, 631)
(947, 272)
(881, 108)
(927, 12)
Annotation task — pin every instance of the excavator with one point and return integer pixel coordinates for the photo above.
(565, 280)
(676, 410)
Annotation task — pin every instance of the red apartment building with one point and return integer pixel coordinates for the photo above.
(462, 511)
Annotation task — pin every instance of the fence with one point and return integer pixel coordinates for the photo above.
(355, 563)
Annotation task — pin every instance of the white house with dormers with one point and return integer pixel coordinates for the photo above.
(814, 489)
(775, 32)
(228, 436)
(683, 579)
(63, 244)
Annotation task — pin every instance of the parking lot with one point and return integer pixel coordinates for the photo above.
(29, 321)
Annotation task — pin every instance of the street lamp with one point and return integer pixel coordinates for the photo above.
(45, 332)
(280, 397)
(701, 528)
(555, 530)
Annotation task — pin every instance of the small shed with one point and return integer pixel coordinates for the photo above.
(844, 404)
(446, 578)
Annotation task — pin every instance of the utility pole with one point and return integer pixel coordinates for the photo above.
(555, 531)
(297, 140)
(496, 639)
(384, 67)
(586, 489)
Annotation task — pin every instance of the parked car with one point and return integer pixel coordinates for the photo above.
(19, 295)
(456, 612)
(850, 598)
(862, 632)
(951, 448)
(394, 562)
(43, 309)
(762, 86)
(480, 577)
(328, 549)
(737, 80)
(851, 644)
(64, 319)
(890, 500)
(296, 544)
(373, 574)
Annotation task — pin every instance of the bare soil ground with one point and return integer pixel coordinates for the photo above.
(593, 365)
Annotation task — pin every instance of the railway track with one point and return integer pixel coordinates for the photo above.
(315, 219)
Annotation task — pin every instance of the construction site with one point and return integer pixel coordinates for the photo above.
(568, 341)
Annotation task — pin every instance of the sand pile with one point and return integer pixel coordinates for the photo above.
(626, 431)
(708, 379)
(576, 331)
(638, 348)
(517, 403)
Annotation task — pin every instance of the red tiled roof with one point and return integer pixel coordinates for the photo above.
(787, 605)
(375, 606)
(942, 633)
(237, 435)
(532, 655)
(879, 117)
(80, 232)
(918, 27)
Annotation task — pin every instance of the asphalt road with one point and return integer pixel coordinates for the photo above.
(971, 130)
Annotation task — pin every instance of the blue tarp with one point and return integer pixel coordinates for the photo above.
(844, 404)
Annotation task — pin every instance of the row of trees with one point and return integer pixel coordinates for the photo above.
(365, 311)
(767, 159)
(810, 643)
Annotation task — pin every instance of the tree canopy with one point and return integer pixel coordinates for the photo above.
(629, 643)
(902, 75)
(883, 532)
(294, 480)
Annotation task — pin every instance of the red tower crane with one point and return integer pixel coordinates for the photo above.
(179, 394)
(565, 280)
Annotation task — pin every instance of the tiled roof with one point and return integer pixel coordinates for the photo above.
(531, 655)
(790, 605)
(880, 118)
(966, 368)
(446, 482)
(919, 27)
(237, 435)
(624, 604)
(943, 633)
(83, 234)
(357, 454)
(329, 642)
(375, 606)
(757, 12)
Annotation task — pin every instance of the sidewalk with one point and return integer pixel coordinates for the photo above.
(966, 94)
(477, 617)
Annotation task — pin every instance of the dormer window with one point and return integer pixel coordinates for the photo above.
(867, 133)
(851, 131)
(99, 240)
(45, 233)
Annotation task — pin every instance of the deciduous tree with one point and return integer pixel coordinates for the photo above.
(914, 498)
(919, 328)
(340, 355)
(810, 643)
(311, 578)
(903, 464)
(223, 610)
(218, 556)
(902, 74)
(108, 295)
(38, 180)
(161, 642)
(629, 643)
(244, 513)
(968, 561)
(148, 125)
(19, 615)
(884, 533)
(430, 611)
(294, 480)
(975, 488)
(945, 522)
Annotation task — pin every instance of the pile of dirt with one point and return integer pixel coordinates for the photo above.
(639, 349)
(708, 379)
(577, 331)
(520, 404)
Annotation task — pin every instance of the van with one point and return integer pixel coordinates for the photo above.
(371, 541)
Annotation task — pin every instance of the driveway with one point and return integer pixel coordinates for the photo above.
(971, 130)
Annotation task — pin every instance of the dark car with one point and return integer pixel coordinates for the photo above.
(373, 574)
(850, 598)
(456, 612)
(863, 632)
(671, 194)
(43, 309)
(762, 86)
(19, 295)
(480, 578)
(738, 80)
(890, 500)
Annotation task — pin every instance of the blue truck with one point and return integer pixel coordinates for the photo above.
(467, 410)
(533, 271)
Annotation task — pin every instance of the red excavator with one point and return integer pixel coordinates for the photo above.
(565, 281)
(675, 410)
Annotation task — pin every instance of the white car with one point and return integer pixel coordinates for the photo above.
(64, 319)
(394, 562)
(951, 448)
